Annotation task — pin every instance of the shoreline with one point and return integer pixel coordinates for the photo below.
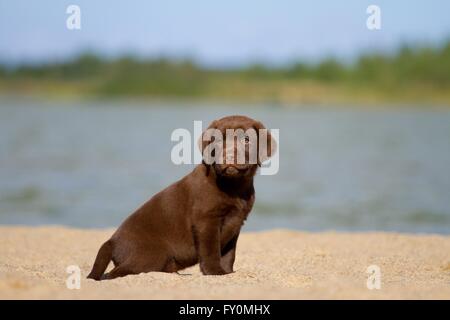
(183, 102)
(276, 264)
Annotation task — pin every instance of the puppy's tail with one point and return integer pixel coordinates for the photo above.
(104, 256)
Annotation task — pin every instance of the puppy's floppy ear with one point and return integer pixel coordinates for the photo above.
(204, 141)
(201, 143)
(271, 145)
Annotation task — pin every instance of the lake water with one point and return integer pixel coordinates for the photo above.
(91, 164)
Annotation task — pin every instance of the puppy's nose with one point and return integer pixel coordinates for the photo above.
(231, 170)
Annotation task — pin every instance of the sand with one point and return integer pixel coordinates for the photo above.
(277, 264)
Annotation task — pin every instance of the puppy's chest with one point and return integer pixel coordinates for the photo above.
(235, 214)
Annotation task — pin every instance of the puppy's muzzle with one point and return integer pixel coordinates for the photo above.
(232, 170)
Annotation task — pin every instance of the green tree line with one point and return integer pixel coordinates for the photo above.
(410, 73)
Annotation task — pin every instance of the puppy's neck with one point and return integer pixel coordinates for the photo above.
(241, 187)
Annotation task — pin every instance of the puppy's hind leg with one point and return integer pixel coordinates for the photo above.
(134, 265)
(101, 261)
(119, 271)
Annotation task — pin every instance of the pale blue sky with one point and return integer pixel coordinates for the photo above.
(213, 32)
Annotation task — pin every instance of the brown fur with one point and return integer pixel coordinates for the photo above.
(195, 220)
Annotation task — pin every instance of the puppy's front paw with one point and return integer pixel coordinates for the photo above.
(216, 270)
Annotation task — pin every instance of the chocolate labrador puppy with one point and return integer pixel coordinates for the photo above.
(195, 220)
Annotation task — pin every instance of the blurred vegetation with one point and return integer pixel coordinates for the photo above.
(413, 74)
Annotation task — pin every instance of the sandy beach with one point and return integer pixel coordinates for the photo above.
(277, 264)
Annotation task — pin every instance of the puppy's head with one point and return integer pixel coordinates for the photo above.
(235, 146)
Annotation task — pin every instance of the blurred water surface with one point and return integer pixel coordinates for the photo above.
(91, 164)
